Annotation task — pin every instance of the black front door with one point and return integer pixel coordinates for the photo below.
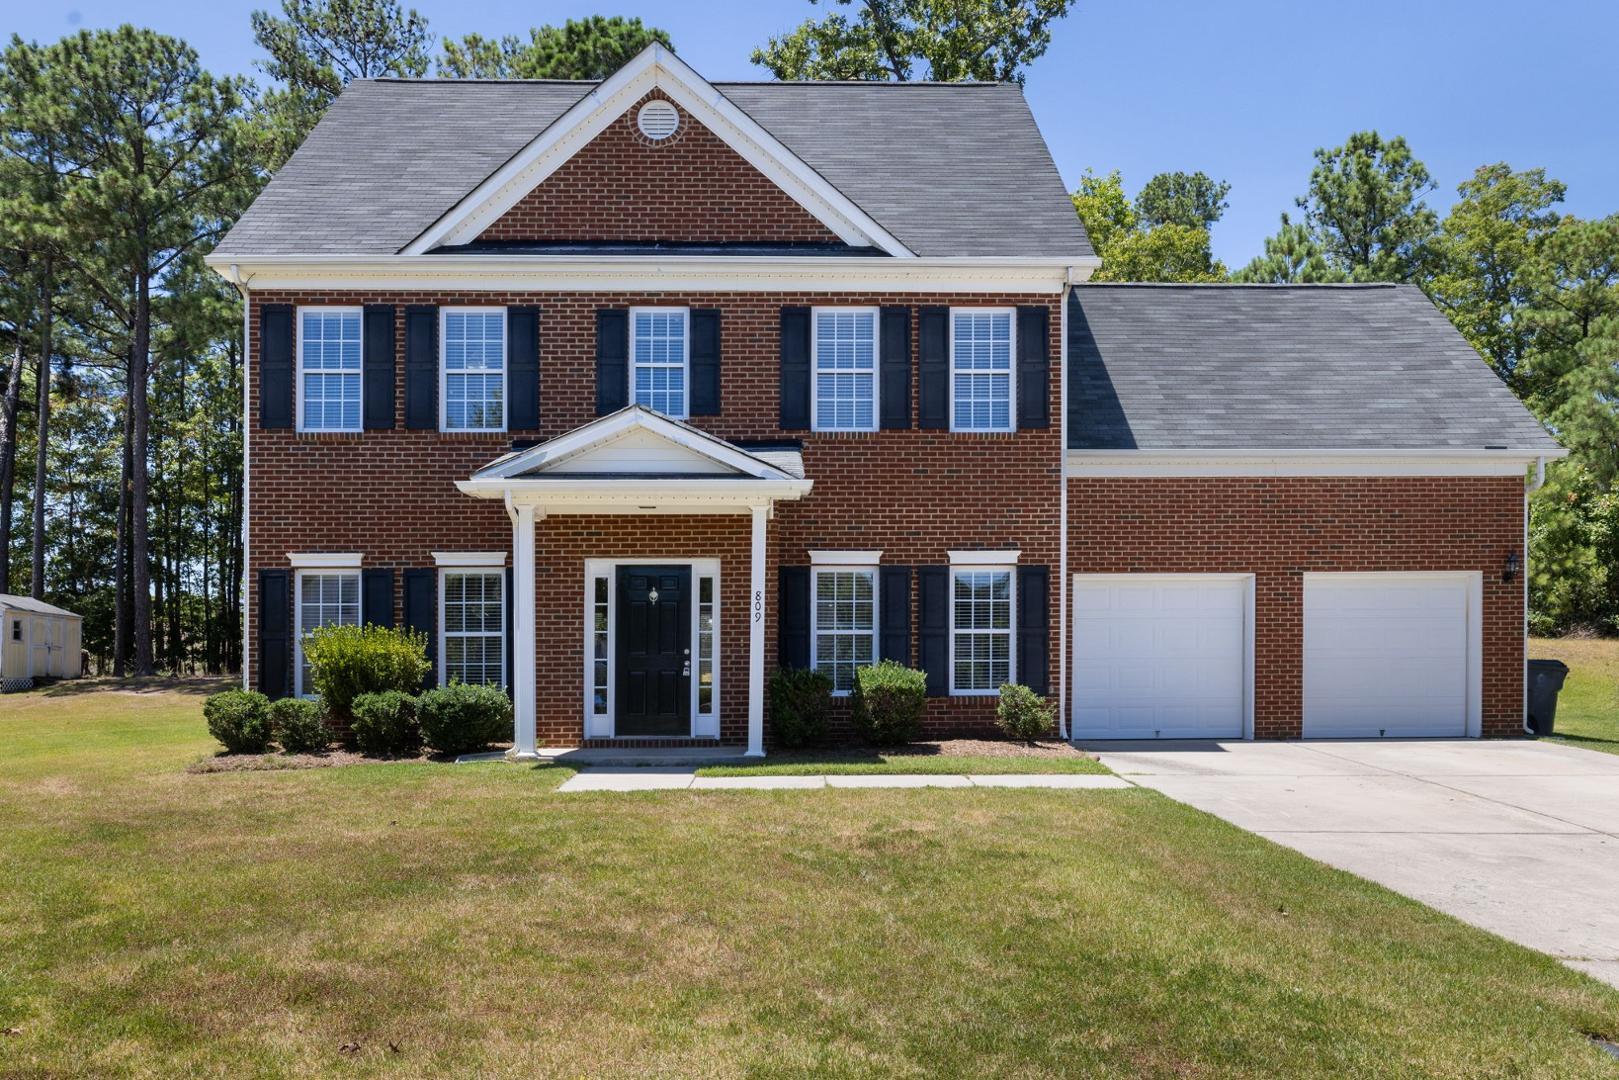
(654, 651)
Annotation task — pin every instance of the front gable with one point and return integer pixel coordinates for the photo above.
(592, 177)
(688, 188)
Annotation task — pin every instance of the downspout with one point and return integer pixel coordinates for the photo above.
(247, 488)
(1062, 519)
(1529, 489)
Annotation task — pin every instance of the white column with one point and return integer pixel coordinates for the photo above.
(523, 645)
(756, 638)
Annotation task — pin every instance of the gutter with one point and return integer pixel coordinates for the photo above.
(1529, 489)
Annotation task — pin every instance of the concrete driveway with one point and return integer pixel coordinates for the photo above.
(1520, 838)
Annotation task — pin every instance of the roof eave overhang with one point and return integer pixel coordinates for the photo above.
(1419, 461)
(639, 496)
(728, 273)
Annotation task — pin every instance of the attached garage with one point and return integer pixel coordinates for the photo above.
(1162, 656)
(1393, 655)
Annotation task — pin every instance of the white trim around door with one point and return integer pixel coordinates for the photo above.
(600, 663)
(1084, 583)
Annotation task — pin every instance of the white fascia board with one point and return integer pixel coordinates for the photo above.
(469, 558)
(845, 558)
(311, 560)
(610, 427)
(654, 67)
(594, 495)
(1003, 557)
(1201, 463)
(649, 273)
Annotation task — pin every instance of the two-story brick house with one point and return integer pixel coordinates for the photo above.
(625, 393)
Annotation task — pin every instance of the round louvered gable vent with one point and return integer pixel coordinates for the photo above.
(657, 120)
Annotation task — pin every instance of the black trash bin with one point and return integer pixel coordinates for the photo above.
(1545, 680)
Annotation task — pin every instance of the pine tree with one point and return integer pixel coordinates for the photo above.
(590, 48)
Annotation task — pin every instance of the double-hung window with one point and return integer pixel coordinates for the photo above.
(980, 629)
(659, 346)
(472, 613)
(981, 350)
(472, 347)
(329, 369)
(845, 384)
(325, 598)
(844, 632)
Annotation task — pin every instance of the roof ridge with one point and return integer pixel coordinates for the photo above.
(424, 80)
(1275, 285)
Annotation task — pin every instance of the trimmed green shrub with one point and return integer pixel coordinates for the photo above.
(240, 719)
(385, 724)
(347, 661)
(299, 725)
(462, 719)
(1023, 714)
(888, 702)
(799, 700)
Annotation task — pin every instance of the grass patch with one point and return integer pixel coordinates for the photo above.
(417, 919)
(866, 762)
(1588, 707)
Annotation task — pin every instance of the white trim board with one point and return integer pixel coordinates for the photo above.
(655, 67)
(1211, 463)
(845, 558)
(324, 560)
(467, 560)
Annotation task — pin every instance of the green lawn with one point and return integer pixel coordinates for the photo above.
(1588, 707)
(417, 919)
(858, 762)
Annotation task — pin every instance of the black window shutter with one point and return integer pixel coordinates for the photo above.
(612, 360)
(894, 341)
(421, 613)
(377, 597)
(793, 617)
(377, 367)
(933, 367)
(421, 367)
(1033, 368)
(522, 368)
(511, 606)
(894, 636)
(705, 363)
(1033, 628)
(795, 368)
(275, 633)
(933, 655)
(277, 373)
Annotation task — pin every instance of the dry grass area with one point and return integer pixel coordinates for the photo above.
(414, 919)
(1588, 707)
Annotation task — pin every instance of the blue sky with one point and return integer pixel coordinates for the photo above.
(1243, 90)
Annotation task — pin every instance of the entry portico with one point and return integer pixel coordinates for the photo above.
(644, 610)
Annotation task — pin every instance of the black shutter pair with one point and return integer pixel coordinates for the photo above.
(1033, 628)
(894, 368)
(522, 368)
(613, 361)
(1033, 363)
(794, 616)
(278, 367)
(275, 622)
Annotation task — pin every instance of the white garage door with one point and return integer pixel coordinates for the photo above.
(1390, 655)
(1160, 657)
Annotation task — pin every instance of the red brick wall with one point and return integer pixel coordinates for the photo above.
(913, 494)
(688, 188)
(1281, 528)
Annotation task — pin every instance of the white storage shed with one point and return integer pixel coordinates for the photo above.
(37, 641)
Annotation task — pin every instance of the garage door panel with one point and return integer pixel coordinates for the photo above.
(1387, 655)
(1163, 658)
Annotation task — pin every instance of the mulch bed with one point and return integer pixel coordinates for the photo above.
(277, 762)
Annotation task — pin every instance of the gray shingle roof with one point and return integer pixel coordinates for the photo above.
(1306, 367)
(950, 169)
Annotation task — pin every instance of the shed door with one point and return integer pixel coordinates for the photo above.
(1160, 657)
(1390, 655)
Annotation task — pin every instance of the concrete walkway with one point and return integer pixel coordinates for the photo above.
(622, 778)
(1520, 838)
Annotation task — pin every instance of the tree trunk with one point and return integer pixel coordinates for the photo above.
(36, 581)
(120, 626)
(8, 456)
(140, 550)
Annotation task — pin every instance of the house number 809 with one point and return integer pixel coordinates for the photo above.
(758, 606)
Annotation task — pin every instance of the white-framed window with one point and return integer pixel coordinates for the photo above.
(982, 349)
(660, 344)
(329, 369)
(843, 622)
(843, 343)
(981, 619)
(472, 369)
(472, 626)
(327, 597)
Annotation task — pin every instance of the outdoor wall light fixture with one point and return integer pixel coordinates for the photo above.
(1511, 571)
